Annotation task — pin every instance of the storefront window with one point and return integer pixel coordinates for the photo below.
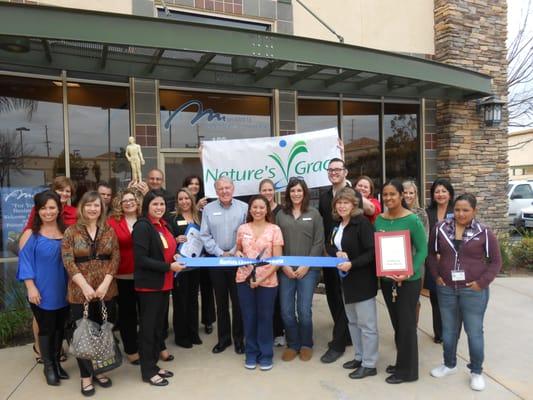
(99, 130)
(400, 129)
(188, 118)
(315, 115)
(360, 127)
(31, 140)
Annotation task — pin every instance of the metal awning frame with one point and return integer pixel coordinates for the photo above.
(118, 46)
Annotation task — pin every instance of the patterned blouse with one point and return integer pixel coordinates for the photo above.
(252, 246)
(79, 257)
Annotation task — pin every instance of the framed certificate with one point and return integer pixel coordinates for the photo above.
(193, 246)
(393, 253)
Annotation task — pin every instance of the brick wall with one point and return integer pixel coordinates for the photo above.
(471, 34)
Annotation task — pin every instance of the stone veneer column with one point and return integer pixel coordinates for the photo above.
(471, 34)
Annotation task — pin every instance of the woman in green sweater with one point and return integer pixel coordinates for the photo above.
(401, 291)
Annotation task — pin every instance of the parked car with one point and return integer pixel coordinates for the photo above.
(520, 195)
(525, 219)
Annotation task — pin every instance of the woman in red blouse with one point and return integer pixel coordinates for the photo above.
(126, 208)
(371, 205)
(154, 248)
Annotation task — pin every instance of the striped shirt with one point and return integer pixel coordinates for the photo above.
(220, 224)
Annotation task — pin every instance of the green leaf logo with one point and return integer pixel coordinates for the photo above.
(297, 148)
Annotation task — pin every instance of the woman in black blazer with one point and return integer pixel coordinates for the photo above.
(154, 248)
(353, 238)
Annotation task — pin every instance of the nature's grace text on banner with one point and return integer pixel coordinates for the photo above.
(248, 161)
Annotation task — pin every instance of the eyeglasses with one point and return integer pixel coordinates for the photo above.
(127, 201)
(335, 170)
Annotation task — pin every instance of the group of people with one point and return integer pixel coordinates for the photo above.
(128, 253)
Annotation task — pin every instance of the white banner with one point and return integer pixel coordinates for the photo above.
(248, 161)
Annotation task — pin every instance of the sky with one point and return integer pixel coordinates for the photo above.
(516, 10)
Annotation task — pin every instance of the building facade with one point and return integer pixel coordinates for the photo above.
(71, 99)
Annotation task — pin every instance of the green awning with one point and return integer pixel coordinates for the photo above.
(114, 47)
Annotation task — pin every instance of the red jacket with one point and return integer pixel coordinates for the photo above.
(125, 244)
(479, 254)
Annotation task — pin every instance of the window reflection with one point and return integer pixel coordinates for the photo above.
(31, 142)
(400, 130)
(315, 115)
(188, 118)
(99, 131)
(360, 127)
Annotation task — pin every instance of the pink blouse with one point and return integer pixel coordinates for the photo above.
(252, 246)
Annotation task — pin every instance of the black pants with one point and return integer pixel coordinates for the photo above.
(435, 310)
(95, 314)
(51, 322)
(128, 304)
(151, 323)
(185, 306)
(402, 314)
(225, 287)
(208, 298)
(278, 328)
(341, 334)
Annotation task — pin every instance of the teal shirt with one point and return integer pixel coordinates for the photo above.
(412, 224)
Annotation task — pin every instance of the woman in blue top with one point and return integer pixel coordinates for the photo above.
(41, 268)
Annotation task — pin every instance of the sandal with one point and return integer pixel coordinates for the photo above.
(170, 357)
(87, 392)
(163, 373)
(103, 381)
(156, 380)
(63, 355)
(37, 355)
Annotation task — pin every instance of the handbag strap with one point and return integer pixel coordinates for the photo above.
(103, 308)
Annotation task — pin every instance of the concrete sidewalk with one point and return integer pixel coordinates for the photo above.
(203, 375)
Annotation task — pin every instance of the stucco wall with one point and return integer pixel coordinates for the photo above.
(403, 26)
(114, 6)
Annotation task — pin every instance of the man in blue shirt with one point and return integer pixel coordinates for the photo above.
(220, 221)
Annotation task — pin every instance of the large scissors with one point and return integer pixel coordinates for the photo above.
(251, 276)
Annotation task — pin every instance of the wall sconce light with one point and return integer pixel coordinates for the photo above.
(491, 107)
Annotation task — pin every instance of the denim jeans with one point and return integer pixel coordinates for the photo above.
(471, 305)
(257, 308)
(298, 330)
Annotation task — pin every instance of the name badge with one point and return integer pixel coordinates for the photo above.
(247, 236)
(469, 233)
(217, 213)
(307, 219)
(163, 240)
(182, 222)
(458, 275)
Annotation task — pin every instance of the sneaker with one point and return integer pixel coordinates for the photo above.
(249, 365)
(442, 370)
(477, 382)
(279, 341)
(266, 367)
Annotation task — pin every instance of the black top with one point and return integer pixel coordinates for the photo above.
(275, 211)
(149, 261)
(357, 241)
(429, 282)
(324, 207)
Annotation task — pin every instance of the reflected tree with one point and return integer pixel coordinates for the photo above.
(10, 157)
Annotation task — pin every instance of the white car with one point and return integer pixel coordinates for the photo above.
(520, 194)
(525, 220)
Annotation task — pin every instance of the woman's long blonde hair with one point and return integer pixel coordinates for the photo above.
(194, 209)
(89, 197)
(411, 184)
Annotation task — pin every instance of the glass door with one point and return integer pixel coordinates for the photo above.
(177, 166)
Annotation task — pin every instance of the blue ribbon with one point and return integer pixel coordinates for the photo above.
(228, 262)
